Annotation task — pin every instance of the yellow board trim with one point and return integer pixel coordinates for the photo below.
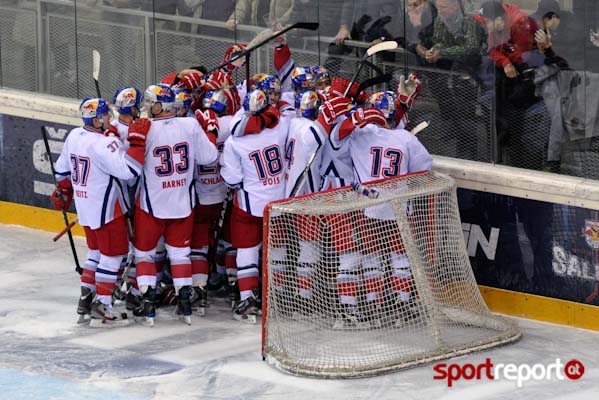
(36, 217)
(498, 300)
(541, 308)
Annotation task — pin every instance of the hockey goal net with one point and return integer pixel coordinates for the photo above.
(358, 286)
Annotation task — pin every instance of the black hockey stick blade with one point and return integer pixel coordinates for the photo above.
(298, 25)
(311, 26)
(377, 80)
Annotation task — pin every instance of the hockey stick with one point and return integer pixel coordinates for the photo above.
(64, 230)
(383, 46)
(312, 26)
(96, 70)
(218, 231)
(377, 80)
(421, 126)
(64, 212)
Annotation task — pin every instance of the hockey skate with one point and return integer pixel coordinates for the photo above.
(246, 310)
(146, 311)
(199, 300)
(132, 301)
(216, 282)
(104, 317)
(350, 318)
(184, 304)
(233, 294)
(85, 305)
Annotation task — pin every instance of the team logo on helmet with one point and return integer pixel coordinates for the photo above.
(255, 101)
(302, 78)
(182, 98)
(385, 102)
(91, 108)
(215, 100)
(125, 98)
(307, 104)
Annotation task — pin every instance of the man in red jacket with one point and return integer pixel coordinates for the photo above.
(511, 35)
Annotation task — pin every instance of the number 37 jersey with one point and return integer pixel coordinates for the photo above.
(95, 164)
(174, 145)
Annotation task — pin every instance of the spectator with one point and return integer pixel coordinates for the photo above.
(260, 13)
(456, 46)
(513, 52)
(368, 21)
(420, 25)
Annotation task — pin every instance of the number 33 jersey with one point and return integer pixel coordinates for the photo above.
(96, 164)
(174, 146)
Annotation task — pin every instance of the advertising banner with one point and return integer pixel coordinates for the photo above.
(532, 246)
(26, 177)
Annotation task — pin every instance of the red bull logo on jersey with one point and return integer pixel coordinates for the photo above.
(591, 233)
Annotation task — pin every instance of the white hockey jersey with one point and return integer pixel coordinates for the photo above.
(336, 164)
(209, 185)
(255, 163)
(379, 153)
(96, 164)
(123, 129)
(174, 145)
(305, 138)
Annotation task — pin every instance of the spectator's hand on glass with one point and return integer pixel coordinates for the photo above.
(231, 24)
(595, 38)
(543, 39)
(343, 34)
(432, 55)
(510, 71)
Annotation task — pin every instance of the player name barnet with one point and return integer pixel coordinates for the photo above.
(174, 183)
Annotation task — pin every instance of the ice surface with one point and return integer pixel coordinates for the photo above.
(44, 354)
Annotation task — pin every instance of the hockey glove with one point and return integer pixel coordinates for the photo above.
(231, 51)
(219, 80)
(334, 108)
(408, 90)
(364, 116)
(209, 122)
(111, 131)
(138, 131)
(360, 118)
(192, 81)
(269, 118)
(62, 196)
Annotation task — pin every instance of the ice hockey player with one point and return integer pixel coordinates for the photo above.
(379, 149)
(127, 100)
(211, 193)
(182, 102)
(253, 165)
(166, 198)
(90, 168)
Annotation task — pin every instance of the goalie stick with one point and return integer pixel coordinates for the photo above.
(383, 46)
(64, 212)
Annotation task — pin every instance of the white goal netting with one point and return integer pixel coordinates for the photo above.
(357, 286)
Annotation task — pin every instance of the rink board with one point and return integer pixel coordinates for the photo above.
(533, 237)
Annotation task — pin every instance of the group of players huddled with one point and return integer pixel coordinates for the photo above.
(205, 140)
